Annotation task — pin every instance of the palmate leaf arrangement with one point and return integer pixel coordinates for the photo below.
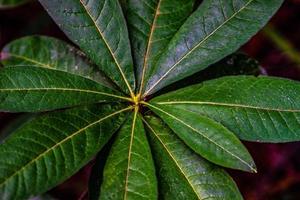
(164, 146)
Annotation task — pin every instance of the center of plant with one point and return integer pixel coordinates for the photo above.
(136, 99)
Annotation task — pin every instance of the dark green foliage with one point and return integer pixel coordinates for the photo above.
(164, 144)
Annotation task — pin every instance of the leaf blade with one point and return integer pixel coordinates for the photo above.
(197, 179)
(52, 53)
(205, 38)
(46, 162)
(206, 137)
(99, 28)
(31, 89)
(151, 25)
(262, 109)
(129, 172)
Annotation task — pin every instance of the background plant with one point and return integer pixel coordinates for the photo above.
(211, 93)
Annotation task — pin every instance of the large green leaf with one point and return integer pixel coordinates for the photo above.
(129, 171)
(181, 173)
(47, 52)
(151, 26)
(206, 137)
(31, 89)
(99, 28)
(51, 148)
(216, 29)
(11, 3)
(257, 109)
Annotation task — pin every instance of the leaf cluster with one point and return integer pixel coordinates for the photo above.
(140, 88)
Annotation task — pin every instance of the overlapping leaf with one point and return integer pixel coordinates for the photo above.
(181, 173)
(47, 52)
(129, 172)
(53, 147)
(206, 137)
(31, 89)
(216, 29)
(257, 109)
(99, 28)
(151, 26)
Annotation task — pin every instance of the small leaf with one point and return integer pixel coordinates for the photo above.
(129, 171)
(31, 89)
(206, 137)
(99, 29)
(47, 52)
(151, 25)
(216, 29)
(181, 173)
(51, 148)
(265, 109)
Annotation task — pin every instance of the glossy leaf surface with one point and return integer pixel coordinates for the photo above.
(151, 26)
(206, 137)
(217, 28)
(99, 28)
(47, 52)
(129, 172)
(31, 89)
(257, 109)
(53, 147)
(181, 173)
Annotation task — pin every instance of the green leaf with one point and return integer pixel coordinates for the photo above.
(11, 3)
(216, 29)
(47, 52)
(51, 148)
(263, 109)
(99, 28)
(206, 137)
(129, 171)
(31, 89)
(151, 26)
(181, 173)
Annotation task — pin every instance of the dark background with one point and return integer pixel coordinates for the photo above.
(278, 176)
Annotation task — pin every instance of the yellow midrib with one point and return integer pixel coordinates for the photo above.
(110, 50)
(61, 142)
(146, 58)
(173, 158)
(129, 152)
(200, 43)
(197, 131)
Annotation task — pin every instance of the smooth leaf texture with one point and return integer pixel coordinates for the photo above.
(261, 109)
(11, 3)
(129, 172)
(47, 52)
(216, 29)
(151, 26)
(53, 147)
(99, 28)
(206, 137)
(31, 89)
(181, 173)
